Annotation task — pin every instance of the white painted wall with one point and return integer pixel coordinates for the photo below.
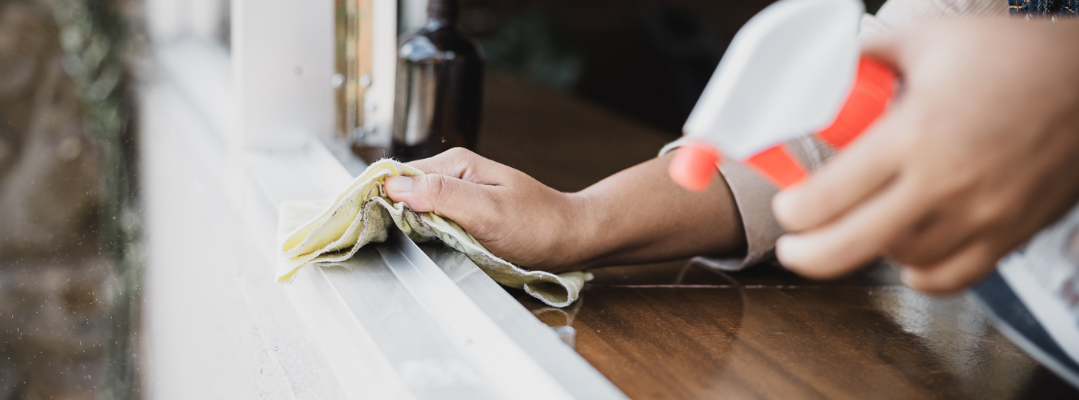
(282, 55)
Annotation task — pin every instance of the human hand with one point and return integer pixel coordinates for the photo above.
(635, 216)
(513, 215)
(979, 152)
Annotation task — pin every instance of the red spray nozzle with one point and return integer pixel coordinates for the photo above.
(695, 165)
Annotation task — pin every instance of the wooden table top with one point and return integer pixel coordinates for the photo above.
(680, 330)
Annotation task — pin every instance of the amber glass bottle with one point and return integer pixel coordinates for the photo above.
(439, 87)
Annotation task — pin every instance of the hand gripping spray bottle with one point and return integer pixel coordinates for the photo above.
(793, 69)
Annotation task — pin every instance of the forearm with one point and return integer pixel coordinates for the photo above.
(639, 215)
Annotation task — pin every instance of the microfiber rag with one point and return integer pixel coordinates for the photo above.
(314, 232)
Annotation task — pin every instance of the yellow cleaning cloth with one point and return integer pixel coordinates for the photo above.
(314, 232)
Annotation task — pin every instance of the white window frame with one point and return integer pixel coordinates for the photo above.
(253, 127)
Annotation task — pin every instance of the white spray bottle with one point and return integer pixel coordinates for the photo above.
(793, 70)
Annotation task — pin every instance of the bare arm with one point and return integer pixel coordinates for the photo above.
(635, 216)
(640, 215)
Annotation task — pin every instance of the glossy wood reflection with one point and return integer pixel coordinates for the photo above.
(680, 330)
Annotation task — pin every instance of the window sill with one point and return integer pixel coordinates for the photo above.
(389, 323)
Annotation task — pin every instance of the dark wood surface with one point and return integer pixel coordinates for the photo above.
(680, 330)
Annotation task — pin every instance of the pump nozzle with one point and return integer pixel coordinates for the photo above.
(695, 165)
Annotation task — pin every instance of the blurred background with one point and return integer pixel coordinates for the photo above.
(643, 59)
(70, 214)
(69, 225)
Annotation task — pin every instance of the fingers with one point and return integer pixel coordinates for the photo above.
(463, 164)
(899, 48)
(885, 48)
(845, 181)
(465, 202)
(933, 241)
(957, 272)
(454, 162)
(855, 238)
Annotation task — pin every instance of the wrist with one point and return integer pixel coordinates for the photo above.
(579, 243)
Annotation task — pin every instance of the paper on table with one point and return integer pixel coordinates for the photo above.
(1044, 274)
(314, 232)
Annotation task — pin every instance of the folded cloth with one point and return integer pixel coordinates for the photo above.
(315, 232)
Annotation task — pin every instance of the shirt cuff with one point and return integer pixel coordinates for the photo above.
(753, 198)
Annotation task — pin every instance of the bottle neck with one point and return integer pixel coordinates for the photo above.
(441, 14)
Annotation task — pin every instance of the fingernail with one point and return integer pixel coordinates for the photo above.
(906, 276)
(780, 203)
(789, 249)
(398, 184)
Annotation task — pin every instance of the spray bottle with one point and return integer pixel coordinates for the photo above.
(794, 69)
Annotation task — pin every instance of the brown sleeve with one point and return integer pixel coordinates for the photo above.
(753, 197)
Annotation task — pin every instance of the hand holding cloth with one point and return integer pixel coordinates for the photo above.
(317, 232)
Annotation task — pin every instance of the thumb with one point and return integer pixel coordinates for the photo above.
(449, 197)
(886, 48)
